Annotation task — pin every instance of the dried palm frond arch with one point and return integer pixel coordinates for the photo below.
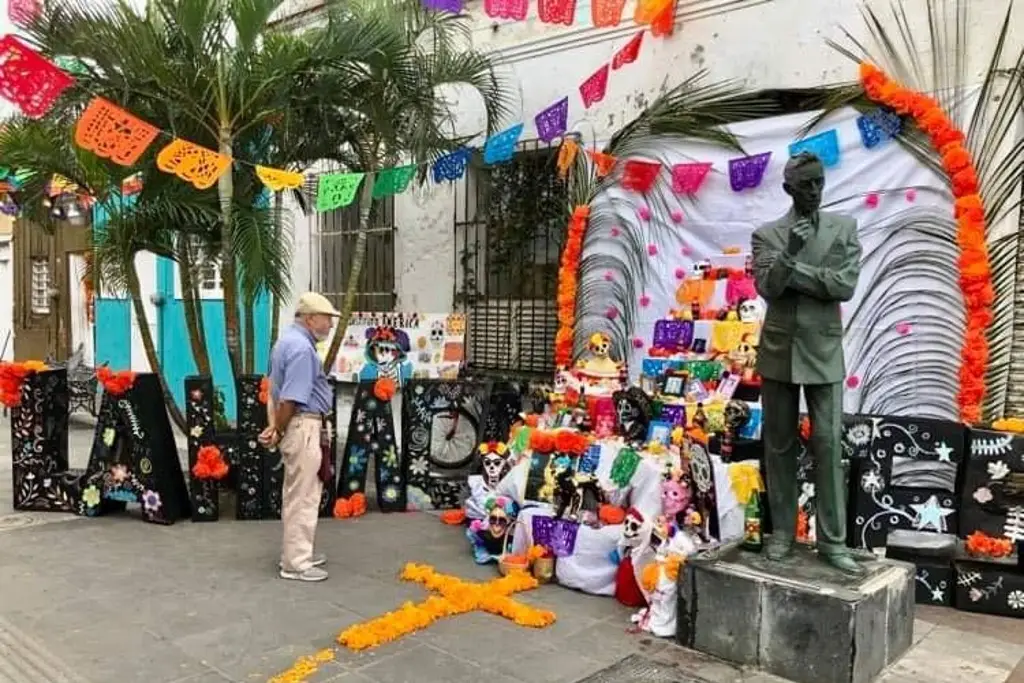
(695, 111)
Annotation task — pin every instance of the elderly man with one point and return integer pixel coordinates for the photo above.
(300, 399)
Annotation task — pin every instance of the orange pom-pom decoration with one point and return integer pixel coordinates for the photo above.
(384, 389)
(342, 509)
(611, 514)
(453, 517)
(210, 464)
(358, 504)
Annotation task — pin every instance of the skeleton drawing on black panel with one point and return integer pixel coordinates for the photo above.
(633, 409)
(495, 463)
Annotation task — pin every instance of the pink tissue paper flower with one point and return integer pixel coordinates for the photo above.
(652, 249)
(638, 343)
(645, 301)
(680, 273)
(911, 195)
(687, 250)
(872, 200)
(616, 232)
(852, 382)
(612, 313)
(608, 275)
(645, 213)
(677, 216)
(903, 328)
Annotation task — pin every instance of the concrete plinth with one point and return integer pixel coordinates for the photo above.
(799, 619)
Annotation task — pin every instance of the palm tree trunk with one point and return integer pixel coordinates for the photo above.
(358, 256)
(135, 291)
(228, 271)
(193, 309)
(249, 345)
(275, 305)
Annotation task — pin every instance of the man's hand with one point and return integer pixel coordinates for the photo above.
(268, 437)
(798, 235)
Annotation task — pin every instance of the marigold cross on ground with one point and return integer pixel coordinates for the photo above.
(452, 596)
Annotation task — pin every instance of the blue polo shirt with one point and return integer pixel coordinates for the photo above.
(296, 373)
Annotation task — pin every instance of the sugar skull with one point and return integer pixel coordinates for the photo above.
(675, 497)
(600, 344)
(632, 528)
(494, 461)
(437, 333)
(751, 310)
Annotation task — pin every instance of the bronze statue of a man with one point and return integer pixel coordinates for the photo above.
(805, 264)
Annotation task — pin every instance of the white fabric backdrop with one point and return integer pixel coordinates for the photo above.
(908, 279)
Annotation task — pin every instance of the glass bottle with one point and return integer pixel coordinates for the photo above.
(752, 539)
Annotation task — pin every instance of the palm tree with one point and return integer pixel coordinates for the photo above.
(215, 73)
(402, 114)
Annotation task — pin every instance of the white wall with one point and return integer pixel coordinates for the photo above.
(6, 297)
(759, 43)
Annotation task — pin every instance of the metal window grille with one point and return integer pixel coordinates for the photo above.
(332, 256)
(40, 301)
(510, 222)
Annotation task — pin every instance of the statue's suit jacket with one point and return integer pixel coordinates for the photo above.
(802, 337)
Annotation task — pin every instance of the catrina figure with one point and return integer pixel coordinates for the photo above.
(386, 351)
(634, 409)
(489, 536)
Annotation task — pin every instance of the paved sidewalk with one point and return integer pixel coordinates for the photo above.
(117, 600)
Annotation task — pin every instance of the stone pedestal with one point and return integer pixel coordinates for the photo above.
(799, 619)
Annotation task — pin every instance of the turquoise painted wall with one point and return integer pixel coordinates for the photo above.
(176, 352)
(112, 331)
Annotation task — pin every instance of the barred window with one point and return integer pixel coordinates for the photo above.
(40, 301)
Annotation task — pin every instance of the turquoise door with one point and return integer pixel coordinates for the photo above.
(175, 349)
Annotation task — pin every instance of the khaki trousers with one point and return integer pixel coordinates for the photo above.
(300, 500)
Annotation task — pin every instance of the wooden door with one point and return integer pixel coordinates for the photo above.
(41, 289)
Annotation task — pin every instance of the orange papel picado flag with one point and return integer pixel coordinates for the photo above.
(108, 131)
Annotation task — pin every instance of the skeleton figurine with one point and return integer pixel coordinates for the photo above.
(633, 409)
(636, 534)
(565, 494)
(737, 414)
(600, 362)
(495, 462)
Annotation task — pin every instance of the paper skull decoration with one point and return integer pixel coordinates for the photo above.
(437, 333)
(633, 409)
(494, 462)
(751, 311)
(675, 497)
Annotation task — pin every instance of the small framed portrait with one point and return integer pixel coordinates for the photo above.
(647, 384)
(675, 384)
(660, 431)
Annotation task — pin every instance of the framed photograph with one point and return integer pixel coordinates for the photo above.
(727, 385)
(661, 432)
(647, 384)
(675, 385)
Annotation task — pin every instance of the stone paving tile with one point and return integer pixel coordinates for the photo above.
(949, 656)
(424, 663)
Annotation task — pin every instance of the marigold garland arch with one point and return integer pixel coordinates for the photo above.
(973, 264)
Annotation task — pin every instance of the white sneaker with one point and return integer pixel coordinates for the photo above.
(311, 575)
(319, 560)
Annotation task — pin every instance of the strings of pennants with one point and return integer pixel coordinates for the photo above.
(34, 84)
(659, 14)
(746, 173)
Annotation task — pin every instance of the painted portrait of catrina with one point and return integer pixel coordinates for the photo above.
(387, 351)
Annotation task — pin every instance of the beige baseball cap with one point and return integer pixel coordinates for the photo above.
(312, 303)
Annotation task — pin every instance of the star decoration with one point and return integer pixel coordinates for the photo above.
(938, 595)
(943, 451)
(930, 514)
